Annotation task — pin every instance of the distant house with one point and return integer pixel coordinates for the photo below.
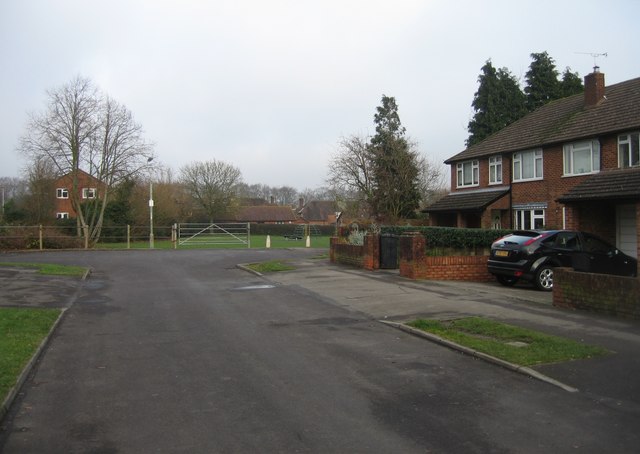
(573, 163)
(317, 212)
(266, 214)
(88, 188)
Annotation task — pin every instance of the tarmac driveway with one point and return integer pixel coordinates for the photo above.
(180, 351)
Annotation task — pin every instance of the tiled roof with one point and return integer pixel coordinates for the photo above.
(612, 184)
(318, 210)
(565, 119)
(266, 213)
(467, 200)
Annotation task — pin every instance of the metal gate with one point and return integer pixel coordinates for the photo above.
(214, 234)
(389, 251)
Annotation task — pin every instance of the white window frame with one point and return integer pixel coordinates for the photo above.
(538, 164)
(89, 193)
(495, 169)
(569, 152)
(62, 193)
(62, 215)
(630, 139)
(534, 214)
(461, 172)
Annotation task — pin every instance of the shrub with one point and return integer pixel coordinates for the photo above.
(452, 237)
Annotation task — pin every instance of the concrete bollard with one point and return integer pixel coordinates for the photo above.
(268, 241)
(308, 240)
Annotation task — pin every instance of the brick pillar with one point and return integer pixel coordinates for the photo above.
(412, 247)
(638, 235)
(332, 249)
(371, 252)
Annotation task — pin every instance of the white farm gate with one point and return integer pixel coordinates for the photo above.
(214, 234)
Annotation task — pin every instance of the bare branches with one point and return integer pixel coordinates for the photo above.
(213, 185)
(84, 130)
(350, 168)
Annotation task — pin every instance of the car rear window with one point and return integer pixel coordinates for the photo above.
(519, 238)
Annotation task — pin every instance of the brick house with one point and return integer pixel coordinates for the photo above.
(573, 163)
(322, 212)
(88, 188)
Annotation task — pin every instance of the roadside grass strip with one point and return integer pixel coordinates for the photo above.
(21, 333)
(510, 343)
(49, 268)
(270, 267)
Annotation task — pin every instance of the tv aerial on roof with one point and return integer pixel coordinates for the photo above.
(595, 56)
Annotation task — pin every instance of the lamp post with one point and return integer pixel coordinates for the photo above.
(151, 245)
(151, 242)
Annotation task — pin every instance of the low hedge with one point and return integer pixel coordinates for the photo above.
(451, 237)
(289, 229)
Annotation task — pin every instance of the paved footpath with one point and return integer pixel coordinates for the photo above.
(384, 295)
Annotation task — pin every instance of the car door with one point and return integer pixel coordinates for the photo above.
(565, 245)
(604, 258)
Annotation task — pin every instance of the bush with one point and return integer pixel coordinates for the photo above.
(288, 229)
(452, 237)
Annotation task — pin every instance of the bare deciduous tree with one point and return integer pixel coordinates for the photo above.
(350, 170)
(83, 130)
(213, 185)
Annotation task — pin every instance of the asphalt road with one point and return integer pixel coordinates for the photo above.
(180, 351)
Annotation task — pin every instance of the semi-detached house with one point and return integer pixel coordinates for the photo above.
(573, 163)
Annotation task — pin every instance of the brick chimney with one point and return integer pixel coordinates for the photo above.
(593, 87)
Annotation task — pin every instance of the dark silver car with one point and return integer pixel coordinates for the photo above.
(532, 255)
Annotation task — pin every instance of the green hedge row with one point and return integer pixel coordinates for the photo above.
(290, 229)
(451, 237)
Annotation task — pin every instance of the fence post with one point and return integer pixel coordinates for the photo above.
(174, 235)
(40, 236)
(128, 236)
(248, 235)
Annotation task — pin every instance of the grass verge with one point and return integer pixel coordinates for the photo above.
(507, 342)
(270, 267)
(49, 268)
(21, 332)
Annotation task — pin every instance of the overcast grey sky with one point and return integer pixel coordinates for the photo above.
(271, 86)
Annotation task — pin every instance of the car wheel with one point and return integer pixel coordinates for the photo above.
(544, 278)
(507, 281)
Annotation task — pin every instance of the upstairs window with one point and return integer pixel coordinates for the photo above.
(581, 157)
(468, 173)
(628, 150)
(527, 165)
(88, 193)
(62, 215)
(62, 193)
(495, 170)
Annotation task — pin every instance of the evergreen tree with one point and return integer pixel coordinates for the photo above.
(395, 166)
(542, 81)
(497, 103)
(571, 83)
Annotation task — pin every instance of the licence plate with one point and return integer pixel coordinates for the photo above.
(502, 253)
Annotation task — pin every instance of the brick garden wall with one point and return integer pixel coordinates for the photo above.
(415, 264)
(613, 295)
(413, 261)
(366, 256)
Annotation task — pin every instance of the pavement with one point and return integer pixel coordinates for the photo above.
(385, 296)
